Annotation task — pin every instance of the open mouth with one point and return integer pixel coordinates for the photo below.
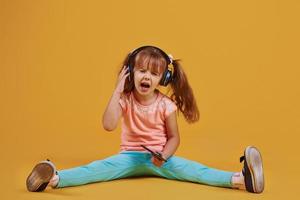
(145, 85)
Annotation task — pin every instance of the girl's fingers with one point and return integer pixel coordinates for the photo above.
(156, 162)
(122, 81)
(124, 70)
(126, 75)
(121, 75)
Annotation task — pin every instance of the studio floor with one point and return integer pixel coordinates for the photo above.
(278, 168)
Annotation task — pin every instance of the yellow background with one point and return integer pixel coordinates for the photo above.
(58, 67)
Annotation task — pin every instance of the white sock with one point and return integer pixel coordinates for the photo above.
(238, 181)
(54, 181)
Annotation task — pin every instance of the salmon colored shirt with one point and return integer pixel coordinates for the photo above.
(145, 124)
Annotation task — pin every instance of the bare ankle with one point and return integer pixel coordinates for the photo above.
(237, 181)
(54, 181)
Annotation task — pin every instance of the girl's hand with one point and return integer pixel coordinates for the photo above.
(121, 80)
(157, 162)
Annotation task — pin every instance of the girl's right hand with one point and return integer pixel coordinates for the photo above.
(121, 79)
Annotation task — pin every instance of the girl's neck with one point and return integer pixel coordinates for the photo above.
(145, 100)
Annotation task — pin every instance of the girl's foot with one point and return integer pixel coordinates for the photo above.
(253, 170)
(40, 176)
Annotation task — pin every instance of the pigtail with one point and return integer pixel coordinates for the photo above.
(183, 94)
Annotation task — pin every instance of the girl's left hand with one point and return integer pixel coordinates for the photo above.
(157, 162)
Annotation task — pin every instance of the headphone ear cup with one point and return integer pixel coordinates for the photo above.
(162, 80)
(166, 78)
(130, 71)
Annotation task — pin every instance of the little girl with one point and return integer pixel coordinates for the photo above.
(149, 119)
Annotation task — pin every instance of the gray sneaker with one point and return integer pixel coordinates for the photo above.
(253, 170)
(40, 176)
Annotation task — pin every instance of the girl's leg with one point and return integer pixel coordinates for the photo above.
(114, 167)
(251, 178)
(187, 170)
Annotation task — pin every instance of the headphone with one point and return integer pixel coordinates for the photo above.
(167, 76)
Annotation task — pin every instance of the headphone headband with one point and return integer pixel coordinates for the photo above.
(136, 51)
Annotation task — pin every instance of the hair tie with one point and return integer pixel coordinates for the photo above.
(171, 58)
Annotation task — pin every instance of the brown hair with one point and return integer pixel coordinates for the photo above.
(182, 94)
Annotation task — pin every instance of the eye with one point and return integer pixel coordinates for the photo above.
(155, 73)
(142, 70)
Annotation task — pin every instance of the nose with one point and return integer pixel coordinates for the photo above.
(147, 75)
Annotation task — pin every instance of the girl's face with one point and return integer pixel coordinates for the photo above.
(148, 71)
(146, 80)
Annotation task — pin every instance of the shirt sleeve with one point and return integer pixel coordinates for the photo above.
(170, 107)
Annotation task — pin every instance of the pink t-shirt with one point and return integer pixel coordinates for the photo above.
(145, 124)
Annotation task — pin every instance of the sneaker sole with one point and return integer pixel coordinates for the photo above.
(40, 176)
(254, 162)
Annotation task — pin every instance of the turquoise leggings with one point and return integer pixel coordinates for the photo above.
(135, 163)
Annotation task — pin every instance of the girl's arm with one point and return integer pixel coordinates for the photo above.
(173, 136)
(113, 110)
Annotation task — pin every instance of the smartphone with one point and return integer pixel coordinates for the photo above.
(155, 154)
